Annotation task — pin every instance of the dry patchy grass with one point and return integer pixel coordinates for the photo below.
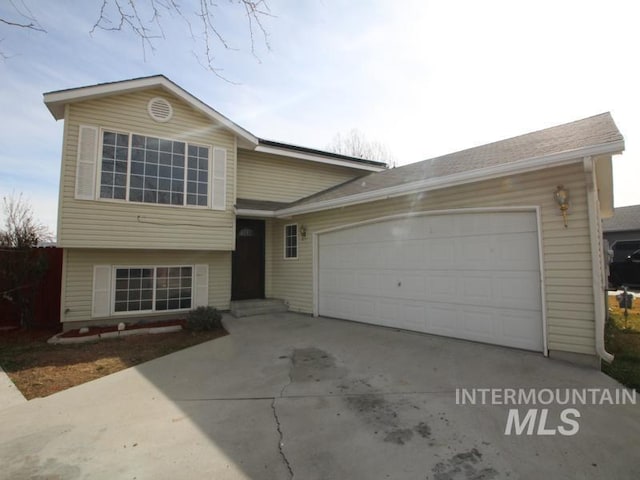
(39, 369)
(622, 337)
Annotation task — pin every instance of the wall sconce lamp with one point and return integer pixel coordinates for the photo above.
(561, 197)
(303, 231)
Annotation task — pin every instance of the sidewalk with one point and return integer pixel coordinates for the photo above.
(9, 394)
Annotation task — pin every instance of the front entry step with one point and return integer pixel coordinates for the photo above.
(248, 308)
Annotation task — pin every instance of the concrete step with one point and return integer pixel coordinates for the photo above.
(249, 308)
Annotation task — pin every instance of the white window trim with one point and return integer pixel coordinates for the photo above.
(129, 313)
(98, 173)
(297, 241)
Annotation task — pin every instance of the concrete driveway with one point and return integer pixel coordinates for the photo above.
(290, 396)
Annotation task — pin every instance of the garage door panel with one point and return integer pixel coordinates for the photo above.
(510, 250)
(442, 319)
(511, 222)
(472, 276)
(414, 316)
(519, 290)
(440, 284)
(439, 252)
(474, 252)
(366, 282)
(519, 327)
(478, 323)
(477, 289)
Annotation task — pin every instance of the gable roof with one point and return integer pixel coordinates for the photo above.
(56, 101)
(553, 146)
(624, 219)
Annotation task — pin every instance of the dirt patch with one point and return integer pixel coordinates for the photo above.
(39, 369)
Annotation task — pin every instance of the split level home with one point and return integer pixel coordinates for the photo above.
(165, 205)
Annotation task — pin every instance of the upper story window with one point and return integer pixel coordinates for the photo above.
(153, 170)
(291, 241)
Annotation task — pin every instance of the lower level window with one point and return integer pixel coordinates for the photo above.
(153, 288)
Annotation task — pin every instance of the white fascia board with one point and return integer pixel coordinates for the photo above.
(245, 212)
(317, 158)
(521, 166)
(56, 101)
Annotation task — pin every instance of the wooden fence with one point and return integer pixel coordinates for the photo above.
(46, 307)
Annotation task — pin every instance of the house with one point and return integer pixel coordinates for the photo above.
(165, 204)
(622, 231)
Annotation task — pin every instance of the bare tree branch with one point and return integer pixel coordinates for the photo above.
(127, 15)
(24, 12)
(28, 22)
(30, 25)
(21, 230)
(355, 144)
(147, 19)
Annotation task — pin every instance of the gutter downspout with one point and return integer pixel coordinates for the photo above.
(596, 258)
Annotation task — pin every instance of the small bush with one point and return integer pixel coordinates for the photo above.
(204, 318)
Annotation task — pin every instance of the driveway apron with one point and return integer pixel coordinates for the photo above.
(292, 396)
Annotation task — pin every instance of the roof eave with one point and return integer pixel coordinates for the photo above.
(56, 101)
(521, 166)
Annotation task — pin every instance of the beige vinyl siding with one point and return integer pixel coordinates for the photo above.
(118, 224)
(263, 176)
(77, 280)
(567, 258)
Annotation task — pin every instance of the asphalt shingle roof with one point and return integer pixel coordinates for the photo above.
(596, 130)
(624, 218)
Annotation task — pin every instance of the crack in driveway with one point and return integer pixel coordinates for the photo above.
(281, 439)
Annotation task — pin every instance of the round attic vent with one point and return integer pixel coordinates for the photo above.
(160, 109)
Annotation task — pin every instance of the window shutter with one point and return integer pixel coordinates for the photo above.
(101, 305)
(86, 164)
(201, 286)
(219, 183)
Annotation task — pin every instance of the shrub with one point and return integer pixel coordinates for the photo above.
(204, 318)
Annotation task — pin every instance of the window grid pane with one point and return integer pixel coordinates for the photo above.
(173, 288)
(291, 241)
(113, 175)
(198, 176)
(134, 289)
(157, 171)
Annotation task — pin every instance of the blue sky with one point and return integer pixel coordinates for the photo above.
(424, 78)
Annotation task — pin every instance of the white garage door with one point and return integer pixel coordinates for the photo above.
(474, 276)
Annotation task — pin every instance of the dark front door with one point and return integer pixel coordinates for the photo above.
(247, 271)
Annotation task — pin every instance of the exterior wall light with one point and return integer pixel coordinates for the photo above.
(561, 197)
(303, 231)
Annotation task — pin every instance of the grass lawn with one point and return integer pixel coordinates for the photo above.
(622, 339)
(39, 369)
